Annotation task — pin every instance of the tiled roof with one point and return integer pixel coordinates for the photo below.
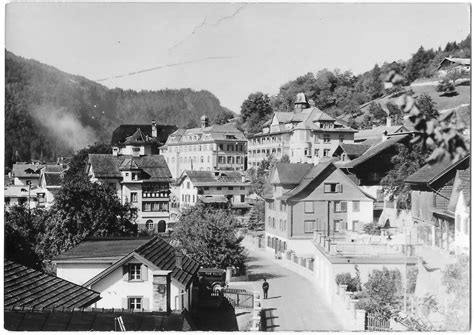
(121, 133)
(156, 250)
(310, 176)
(163, 255)
(52, 179)
(205, 178)
(375, 150)
(94, 320)
(113, 247)
(26, 170)
(354, 149)
(292, 173)
(25, 287)
(109, 166)
(217, 132)
(430, 173)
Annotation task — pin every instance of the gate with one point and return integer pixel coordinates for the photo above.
(376, 323)
(239, 298)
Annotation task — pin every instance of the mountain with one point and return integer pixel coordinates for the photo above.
(49, 112)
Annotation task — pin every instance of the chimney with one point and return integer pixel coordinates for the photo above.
(179, 259)
(115, 151)
(204, 121)
(154, 130)
(301, 102)
(389, 121)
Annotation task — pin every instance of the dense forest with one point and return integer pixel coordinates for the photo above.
(49, 113)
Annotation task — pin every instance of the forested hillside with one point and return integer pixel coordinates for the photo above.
(50, 113)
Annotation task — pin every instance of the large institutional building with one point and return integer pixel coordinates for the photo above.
(208, 148)
(304, 135)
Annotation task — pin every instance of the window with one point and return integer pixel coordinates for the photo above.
(230, 160)
(134, 303)
(221, 159)
(355, 225)
(306, 152)
(242, 198)
(218, 188)
(308, 226)
(134, 197)
(356, 206)
(340, 206)
(206, 188)
(231, 188)
(326, 152)
(316, 152)
(7, 201)
(341, 138)
(466, 225)
(188, 184)
(309, 207)
(193, 198)
(157, 206)
(149, 225)
(134, 272)
(326, 138)
(237, 159)
(242, 188)
(332, 188)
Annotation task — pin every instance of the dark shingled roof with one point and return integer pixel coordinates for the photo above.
(25, 287)
(26, 170)
(156, 250)
(375, 150)
(111, 247)
(123, 131)
(430, 173)
(109, 166)
(354, 149)
(292, 173)
(94, 320)
(52, 179)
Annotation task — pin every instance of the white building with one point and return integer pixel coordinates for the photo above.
(225, 187)
(208, 148)
(130, 273)
(459, 204)
(304, 135)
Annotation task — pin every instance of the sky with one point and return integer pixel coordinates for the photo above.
(229, 49)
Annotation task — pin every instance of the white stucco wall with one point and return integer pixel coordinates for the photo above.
(364, 215)
(462, 218)
(79, 273)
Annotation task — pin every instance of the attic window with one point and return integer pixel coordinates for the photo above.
(230, 137)
(332, 188)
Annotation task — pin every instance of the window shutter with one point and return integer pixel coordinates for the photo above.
(124, 303)
(339, 188)
(125, 273)
(144, 271)
(146, 304)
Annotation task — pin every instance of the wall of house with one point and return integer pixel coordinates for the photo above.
(422, 205)
(235, 192)
(462, 227)
(260, 147)
(35, 181)
(79, 273)
(188, 193)
(140, 150)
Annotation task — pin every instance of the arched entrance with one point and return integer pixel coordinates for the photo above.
(161, 226)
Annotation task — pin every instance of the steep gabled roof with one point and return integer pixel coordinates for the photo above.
(137, 137)
(156, 251)
(428, 174)
(109, 166)
(123, 131)
(354, 149)
(291, 173)
(25, 287)
(309, 177)
(377, 132)
(374, 150)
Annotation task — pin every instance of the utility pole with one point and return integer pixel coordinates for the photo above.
(28, 182)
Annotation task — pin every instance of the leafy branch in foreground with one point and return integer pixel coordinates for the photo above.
(443, 135)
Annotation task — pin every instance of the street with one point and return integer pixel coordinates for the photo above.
(294, 303)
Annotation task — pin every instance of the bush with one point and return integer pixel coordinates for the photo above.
(353, 284)
(372, 228)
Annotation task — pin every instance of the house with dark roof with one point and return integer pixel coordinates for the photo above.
(23, 173)
(140, 139)
(24, 287)
(206, 148)
(94, 319)
(304, 198)
(452, 64)
(431, 191)
(131, 273)
(143, 181)
(305, 135)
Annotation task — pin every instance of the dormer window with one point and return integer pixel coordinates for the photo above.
(134, 272)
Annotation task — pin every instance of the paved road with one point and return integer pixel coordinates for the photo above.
(293, 303)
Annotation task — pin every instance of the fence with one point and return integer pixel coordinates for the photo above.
(375, 323)
(239, 298)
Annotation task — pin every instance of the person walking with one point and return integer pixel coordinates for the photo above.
(265, 287)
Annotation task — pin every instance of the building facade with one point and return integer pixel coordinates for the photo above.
(306, 198)
(305, 135)
(207, 148)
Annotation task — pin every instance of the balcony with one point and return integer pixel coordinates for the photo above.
(157, 194)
